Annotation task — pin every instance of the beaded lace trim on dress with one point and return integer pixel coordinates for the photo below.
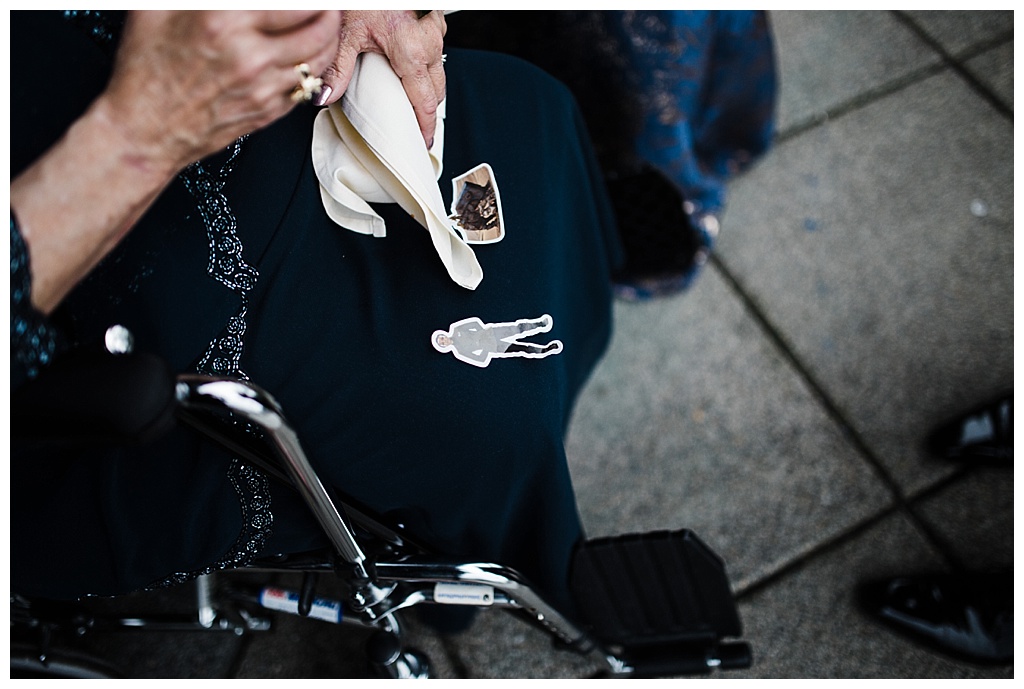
(224, 353)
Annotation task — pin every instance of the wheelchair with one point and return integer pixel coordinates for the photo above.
(655, 604)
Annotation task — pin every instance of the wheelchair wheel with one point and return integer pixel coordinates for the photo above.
(59, 664)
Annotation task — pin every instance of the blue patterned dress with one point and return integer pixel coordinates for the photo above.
(677, 103)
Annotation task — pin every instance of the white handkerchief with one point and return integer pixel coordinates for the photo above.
(367, 148)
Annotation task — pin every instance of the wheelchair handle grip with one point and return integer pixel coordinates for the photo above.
(92, 398)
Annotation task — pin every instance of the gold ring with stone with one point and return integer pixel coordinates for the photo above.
(308, 85)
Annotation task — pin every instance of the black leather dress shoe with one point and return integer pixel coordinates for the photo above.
(968, 617)
(983, 433)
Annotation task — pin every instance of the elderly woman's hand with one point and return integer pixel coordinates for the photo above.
(186, 84)
(412, 44)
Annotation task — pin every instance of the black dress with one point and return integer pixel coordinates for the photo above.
(238, 270)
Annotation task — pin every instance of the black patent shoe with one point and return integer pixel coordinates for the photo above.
(968, 617)
(983, 433)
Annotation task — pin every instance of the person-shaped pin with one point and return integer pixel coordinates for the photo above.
(475, 342)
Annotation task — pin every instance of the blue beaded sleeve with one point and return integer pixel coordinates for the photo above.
(34, 340)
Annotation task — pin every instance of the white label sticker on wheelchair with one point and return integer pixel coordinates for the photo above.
(288, 601)
(463, 594)
(475, 342)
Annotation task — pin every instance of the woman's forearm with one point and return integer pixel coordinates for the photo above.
(77, 201)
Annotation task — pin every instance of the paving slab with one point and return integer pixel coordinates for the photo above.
(880, 245)
(808, 624)
(501, 646)
(973, 518)
(994, 68)
(826, 59)
(960, 30)
(695, 420)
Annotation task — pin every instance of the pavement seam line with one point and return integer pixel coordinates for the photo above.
(956, 62)
(900, 501)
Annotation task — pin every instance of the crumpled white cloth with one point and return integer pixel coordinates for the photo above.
(367, 147)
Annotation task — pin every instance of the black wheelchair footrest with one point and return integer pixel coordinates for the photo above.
(660, 601)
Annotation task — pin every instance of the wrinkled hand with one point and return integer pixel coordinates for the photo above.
(413, 46)
(186, 84)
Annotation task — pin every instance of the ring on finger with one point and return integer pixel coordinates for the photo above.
(308, 85)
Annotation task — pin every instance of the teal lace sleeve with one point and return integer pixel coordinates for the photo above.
(33, 339)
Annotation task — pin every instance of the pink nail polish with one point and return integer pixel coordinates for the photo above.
(325, 93)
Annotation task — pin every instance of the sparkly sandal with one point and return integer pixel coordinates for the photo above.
(663, 245)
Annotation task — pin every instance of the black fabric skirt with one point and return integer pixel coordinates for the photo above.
(338, 328)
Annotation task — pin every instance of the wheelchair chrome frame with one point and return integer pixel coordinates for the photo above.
(394, 576)
(393, 586)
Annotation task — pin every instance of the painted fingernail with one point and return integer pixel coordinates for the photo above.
(325, 93)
